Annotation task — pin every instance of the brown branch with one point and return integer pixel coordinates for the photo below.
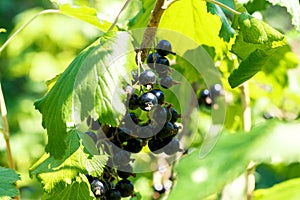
(151, 29)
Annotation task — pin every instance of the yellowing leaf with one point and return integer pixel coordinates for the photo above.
(190, 18)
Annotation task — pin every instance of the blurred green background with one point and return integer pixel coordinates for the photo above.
(40, 52)
(43, 50)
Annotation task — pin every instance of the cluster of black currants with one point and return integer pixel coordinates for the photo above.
(105, 189)
(114, 182)
(208, 97)
(148, 121)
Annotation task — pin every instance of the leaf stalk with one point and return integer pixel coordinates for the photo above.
(224, 6)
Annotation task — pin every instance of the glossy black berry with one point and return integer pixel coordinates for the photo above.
(121, 158)
(174, 115)
(113, 194)
(133, 102)
(159, 114)
(129, 90)
(98, 188)
(167, 131)
(156, 145)
(89, 177)
(147, 101)
(134, 145)
(159, 95)
(123, 134)
(144, 132)
(125, 187)
(163, 47)
(125, 171)
(205, 98)
(147, 77)
(151, 59)
(216, 90)
(166, 82)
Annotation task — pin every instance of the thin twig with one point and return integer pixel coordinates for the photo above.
(24, 26)
(117, 18)
(5, 132)
(6, 129)
(247, 123)
(224, 6)
(151, 29)
(245, 98)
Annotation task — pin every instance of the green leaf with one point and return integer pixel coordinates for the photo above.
(8, 178)
(293, 7)
(191, 19)
(86, 14)
(256, 46)
(81, 157)
(142, 17)
(269, 143)
(285, 190)
(91, 85)
(248, 68)
(256, 31)
(226, 31)
(78, 189)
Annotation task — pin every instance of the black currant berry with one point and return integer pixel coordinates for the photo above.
(121, 158)
(125, 171)
(159, 95)
(172, 147)
(125, 187)
(144, 132)
(205, 98)
(113, 194)
(98, 188)
(134, 145)
(155, 146)
(166, 82)
(147, 77)
(92, 135)
(158, 114)
(216, 90)
(167, 131)
(129, 90)
(147, 101)
(163, 47)
(151, 58)
(133, 102)
(174, 115)
(123, 134)
(89, 177)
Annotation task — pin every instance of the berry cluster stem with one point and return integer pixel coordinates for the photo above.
(151, 29)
